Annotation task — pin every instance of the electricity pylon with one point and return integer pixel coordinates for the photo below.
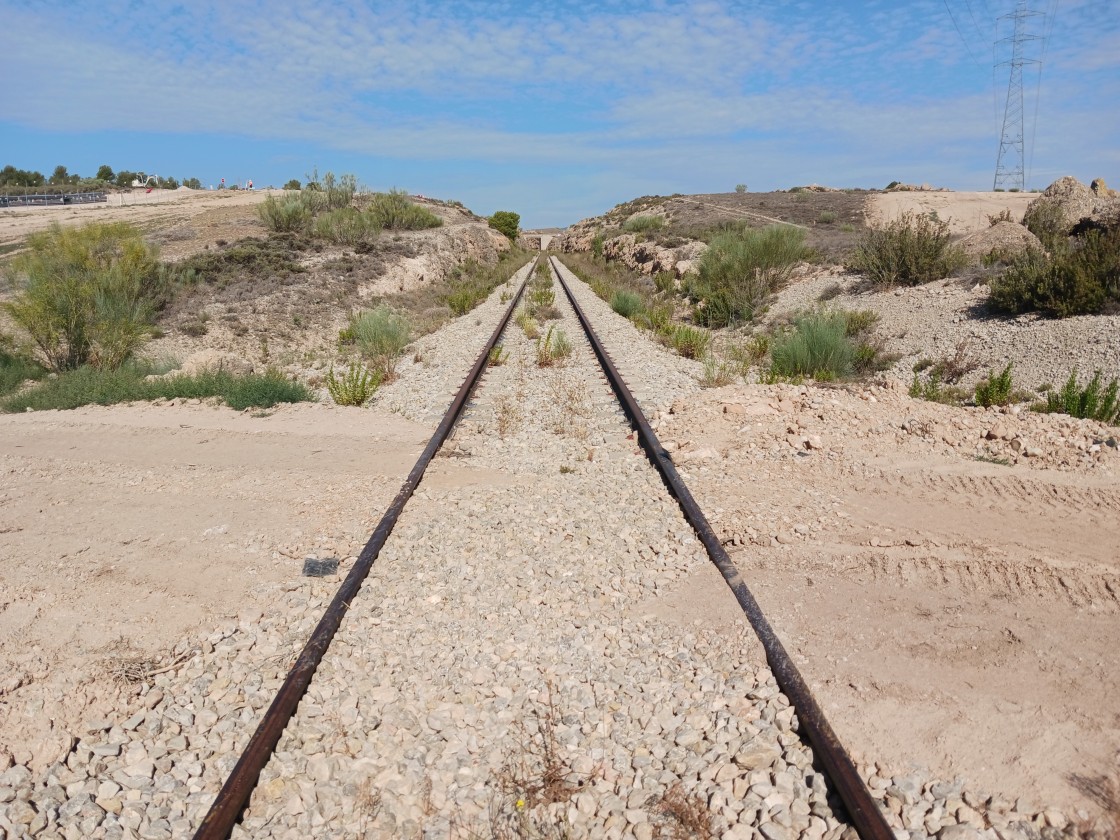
(1010, 163)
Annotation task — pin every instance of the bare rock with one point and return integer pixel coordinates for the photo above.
(1073, 200)
(1003, 239)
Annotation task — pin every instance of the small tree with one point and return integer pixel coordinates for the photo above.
(105, 173)
(192, 183)
(293, 184)
(506, 223)
(59, 176)
(740, 188)
(87, 293)
(125, 178)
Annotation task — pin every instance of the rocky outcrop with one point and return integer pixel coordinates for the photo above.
(650, 258)
(1066, 198)
(1003, 239)
(1101, 190)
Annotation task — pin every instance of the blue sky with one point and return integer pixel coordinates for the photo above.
(555, 110)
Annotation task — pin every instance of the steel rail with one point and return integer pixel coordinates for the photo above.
(231, 800)
(865, 814)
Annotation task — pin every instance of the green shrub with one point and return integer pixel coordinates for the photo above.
(1047, 221)
(934, 390)
(394, 211)
(552, 347)
(15, 370)
(657, 317)
(627, 304)
(528, 325)
(690, 342)
(717, 372)
(597, 246)
(644, 224)
(859, 321)
(506, 223)
(996, 389)
(1088, 402)
(472, 282)
(87, 385)
(911, 250)
(355, 387)
(750, 352)
(1076, 279)
(818, 347)
(86, 295)
(285, 215)
(346, 226)
(826, 217)
(497, 356)
(293, 184)
(740, 271)
(381, 335)
(665, 282)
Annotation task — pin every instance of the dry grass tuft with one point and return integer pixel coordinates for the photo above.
(684, 816)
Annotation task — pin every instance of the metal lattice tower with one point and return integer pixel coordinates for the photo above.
(1010, 163)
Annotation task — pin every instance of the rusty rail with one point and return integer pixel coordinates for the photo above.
(865, 814)
(231, 800)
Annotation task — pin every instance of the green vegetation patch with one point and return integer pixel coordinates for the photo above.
(130, 382)
(1081, 277)
(911, 250)
(741, 270)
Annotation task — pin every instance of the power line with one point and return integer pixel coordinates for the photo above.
(960, 34)
(1049, 24)
(1010, 162)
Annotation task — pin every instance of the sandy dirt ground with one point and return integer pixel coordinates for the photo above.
(964, 211)
(125, 529)
(160, 209)
(956, 615)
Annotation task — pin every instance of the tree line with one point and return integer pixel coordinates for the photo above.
(10, 176)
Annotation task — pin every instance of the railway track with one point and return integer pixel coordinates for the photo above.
(510, 666)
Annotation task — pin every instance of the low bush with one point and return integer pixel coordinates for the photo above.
(690, 342)
(497, 356)
(88, 385)
(346, 226)
(1047, 221)
(394, 211)
(552, 347)
(996, 389)
(289, 214)
(644, 224)
(86, 295)
(911, 250)
(819, 347)
(355, 386)
(627, 304)
(381, 334)
(16, 369)
(933, 389)
(717, 372)
(1082, 278)
(1089, 402)
(528, 325)
(740, 271)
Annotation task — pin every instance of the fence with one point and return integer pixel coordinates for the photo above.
(48, 198)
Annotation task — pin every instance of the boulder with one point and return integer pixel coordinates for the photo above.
(1004, 239)
(1101, 190)
(1073, 201)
